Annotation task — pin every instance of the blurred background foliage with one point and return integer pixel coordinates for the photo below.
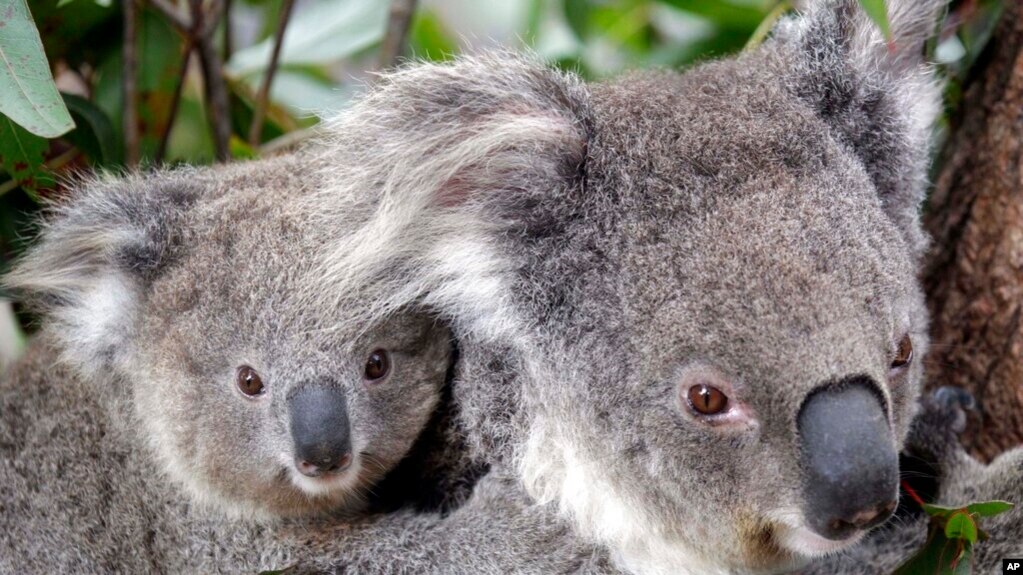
(329, 51)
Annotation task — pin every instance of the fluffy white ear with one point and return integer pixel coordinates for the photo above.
(446, 152)
(878, 93)
(93, 255)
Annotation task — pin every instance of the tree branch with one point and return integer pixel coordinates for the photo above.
(228, 36)
(398, 23)
(175, 100)
(262, 99)
(54, 164)
(177, 18)
(213, 75)
(129, 87)
(287, 141)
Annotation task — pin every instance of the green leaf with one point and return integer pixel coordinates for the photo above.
(961, 526)
(939, 510)
(95, 133)
(981, 508)
(939, 556)
(879, 14)
(989, 508)
(28, 95)
(22, 155)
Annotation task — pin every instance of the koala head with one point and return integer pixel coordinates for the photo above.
(194, 288)
(709, 278)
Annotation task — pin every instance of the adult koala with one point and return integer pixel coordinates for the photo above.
(688, 303)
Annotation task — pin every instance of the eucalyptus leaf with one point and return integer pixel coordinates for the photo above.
(28, 95)
(961, 526)
(939, 510)
(939, 556)
(989, 508)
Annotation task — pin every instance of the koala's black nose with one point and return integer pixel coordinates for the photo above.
(320, 430)
(849, 463)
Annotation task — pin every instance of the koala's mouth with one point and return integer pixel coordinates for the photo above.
(792, 535)
(343, 482)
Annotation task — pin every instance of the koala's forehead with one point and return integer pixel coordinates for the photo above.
(744, 224)
(712, 127)
(241, 257)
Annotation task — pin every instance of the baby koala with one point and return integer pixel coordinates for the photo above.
(180, 340)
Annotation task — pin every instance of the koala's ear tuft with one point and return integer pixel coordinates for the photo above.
(445, 151)
(877, 93)
(94, 254)
(478, 129)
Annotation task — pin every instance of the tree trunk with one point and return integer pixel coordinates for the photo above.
(975, 277)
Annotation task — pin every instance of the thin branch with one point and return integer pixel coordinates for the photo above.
(228, 36)
(213, 76)
(211, 17)
(54, 164)
(129, 87)
(767, 24)
(263, 98)
(398, 23)
(161, 151)
(180, 20)
(287, 141)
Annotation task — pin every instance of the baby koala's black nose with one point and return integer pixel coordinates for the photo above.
(849, 464)
(320, 430)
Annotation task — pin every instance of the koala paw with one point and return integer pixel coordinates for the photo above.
(952, 404)
(942, 418)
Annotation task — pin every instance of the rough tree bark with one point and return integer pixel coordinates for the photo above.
(975, 277)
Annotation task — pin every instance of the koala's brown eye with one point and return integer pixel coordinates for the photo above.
(378, 364)
(904, 355)
(707, 399)
(249, 381)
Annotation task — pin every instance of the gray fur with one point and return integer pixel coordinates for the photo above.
(80, 493)
(754, 221)
(165, 285)
(154, 291)
(597, 248)
(124, 446)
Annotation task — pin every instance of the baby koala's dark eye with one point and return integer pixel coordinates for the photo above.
(378, 364)
(904, 355)
(706, 399)
(249, 381)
